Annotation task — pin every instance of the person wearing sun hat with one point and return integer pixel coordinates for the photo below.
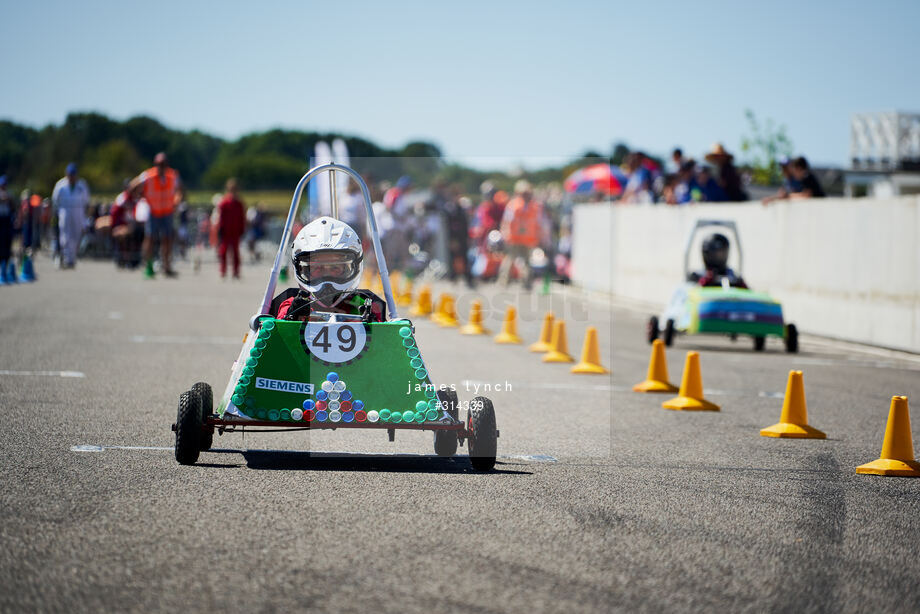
(70, 198)
(727, 175)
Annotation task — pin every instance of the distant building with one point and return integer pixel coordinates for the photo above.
(884, 154)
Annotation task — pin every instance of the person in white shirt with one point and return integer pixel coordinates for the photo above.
(70, 198)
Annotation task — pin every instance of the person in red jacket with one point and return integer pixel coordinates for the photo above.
(231, 224)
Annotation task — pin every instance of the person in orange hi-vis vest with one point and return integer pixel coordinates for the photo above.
(161, 188)
(522, 228)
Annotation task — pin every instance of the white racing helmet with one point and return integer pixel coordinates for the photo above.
(328, 260)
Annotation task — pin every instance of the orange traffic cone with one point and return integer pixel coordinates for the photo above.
(590, 355)
(657, 378)
(546, 335)
(560, 351)
(898, 447)
(449, 317)
(690, 395)
(793, 421)
(475, 326)
(422, 305)
(509, 328)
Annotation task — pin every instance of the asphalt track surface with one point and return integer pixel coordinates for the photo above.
(601, 501)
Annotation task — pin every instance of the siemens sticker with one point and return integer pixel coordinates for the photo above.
(283, 386)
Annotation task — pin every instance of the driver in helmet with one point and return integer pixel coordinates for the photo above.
(328, 260)
(715, 258)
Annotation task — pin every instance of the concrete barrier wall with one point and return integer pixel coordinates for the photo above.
(844, 268)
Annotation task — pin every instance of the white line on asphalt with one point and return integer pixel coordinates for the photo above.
(536, 458)
(179, 340)
(89, 448)
(180, 300)
(45, 373)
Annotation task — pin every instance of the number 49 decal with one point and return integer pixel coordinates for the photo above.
(334, 343)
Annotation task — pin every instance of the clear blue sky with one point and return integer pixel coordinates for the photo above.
(528, 81)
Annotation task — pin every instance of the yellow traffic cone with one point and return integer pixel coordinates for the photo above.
(546, 335)
(657, 378)
(793, 421)
(422, 305)
(377, 286)
(509, 328)
(449, 317)
(405, 297)
(439, 312)
(560, 351)
(898, 447)
(590, 355)
(690, 395)
(475, 325)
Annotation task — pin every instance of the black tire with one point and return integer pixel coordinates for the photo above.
(652, 332)
(792, 339)
(483, 443)
(760, 343)
(188, 428)
(445, 442)
(669, 332)
(207, 408)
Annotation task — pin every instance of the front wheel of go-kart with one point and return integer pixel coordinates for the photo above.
(483, 443)
(760, 343)
(792, 339)
(652, 329)
(207, 408)
(669, 332)
(188, 428)
(445, 442)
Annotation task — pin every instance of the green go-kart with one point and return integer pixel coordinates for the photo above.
(333, 371)
(721, 310)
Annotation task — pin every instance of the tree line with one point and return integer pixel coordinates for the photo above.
(109, 151)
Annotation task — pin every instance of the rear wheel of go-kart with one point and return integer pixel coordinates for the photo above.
(188, 428)
(207, 408)
(445, 442)
(792, 338)
(483, 443)
(760, 343)
(652, 331)
(669, 332)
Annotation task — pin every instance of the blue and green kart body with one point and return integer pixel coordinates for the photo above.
(731, 311)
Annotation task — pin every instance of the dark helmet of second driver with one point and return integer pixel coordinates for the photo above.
(715, 252)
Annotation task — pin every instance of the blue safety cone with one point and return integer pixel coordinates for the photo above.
(11, 277)
(27, 270)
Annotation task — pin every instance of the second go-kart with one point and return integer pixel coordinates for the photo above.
(717, 301)
(332, 369)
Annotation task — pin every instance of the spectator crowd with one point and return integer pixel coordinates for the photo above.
(714, 179)
(438, 230)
